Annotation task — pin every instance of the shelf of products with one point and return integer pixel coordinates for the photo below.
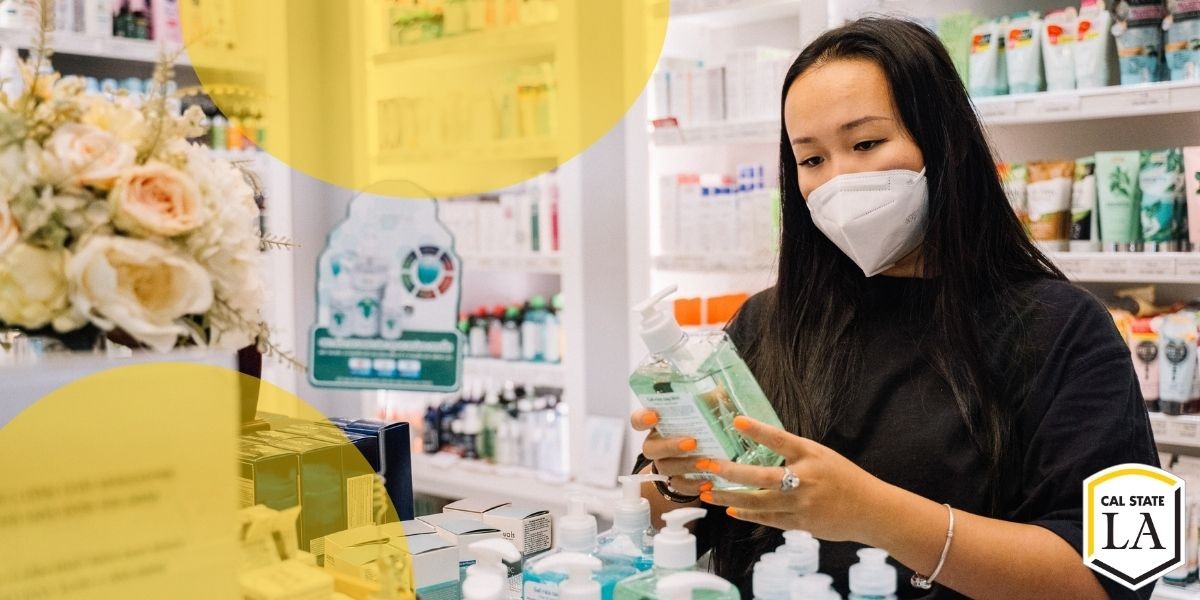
(751, 132)
(526, 41)
(445, 475)
(1101, 103)
(1120, 267)
(77, 44)
(533, 373)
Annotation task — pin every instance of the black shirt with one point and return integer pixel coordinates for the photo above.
(1080, 410)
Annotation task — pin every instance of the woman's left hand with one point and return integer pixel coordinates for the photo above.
(835, 499)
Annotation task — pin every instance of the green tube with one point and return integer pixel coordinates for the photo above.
(1119, 201)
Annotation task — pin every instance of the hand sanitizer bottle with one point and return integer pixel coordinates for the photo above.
(872, 578)
(576, 534)
(802, 550)
(698, 384)
(487, 579)
(632, 536)
(580, 568)
(817, 586)
(674, 552)
(772, 577)
(695, 586)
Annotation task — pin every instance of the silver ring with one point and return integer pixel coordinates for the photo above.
(789, 481)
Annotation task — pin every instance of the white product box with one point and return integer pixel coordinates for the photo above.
(529, 528)
(461, 531)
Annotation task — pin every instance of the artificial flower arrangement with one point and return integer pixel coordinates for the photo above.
(111, 219)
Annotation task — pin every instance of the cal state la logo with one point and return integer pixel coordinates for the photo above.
(1133, 523)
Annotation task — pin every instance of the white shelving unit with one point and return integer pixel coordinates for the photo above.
(531, 263)
(1172, 98)
(76, 44)
(533, 373)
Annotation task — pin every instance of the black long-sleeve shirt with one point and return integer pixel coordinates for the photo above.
(1080, 410)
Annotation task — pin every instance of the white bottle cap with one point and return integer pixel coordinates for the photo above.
(872, 575)
(802, 550)
(491, 399)
(659, 329)
(633, 511)
(577, 530)
(487, 579)
(771, 577)
(817, 586)
(681, 586)
(580, 569)
(472, 424)
(524, 405)
(675, 546)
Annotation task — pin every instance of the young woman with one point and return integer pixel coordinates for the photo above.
(926, 360)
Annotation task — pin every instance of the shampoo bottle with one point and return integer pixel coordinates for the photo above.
(487, 579)
(817, 586)
(695, 586)
(698, 385)
(872, 578)
(674, 552)
(576, 535)
(632, 536)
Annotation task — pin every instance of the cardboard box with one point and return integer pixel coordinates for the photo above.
(356, 469)
(373, 534)
(268, 476)
(322, 490)
(462, 532)
(434, 566)
(395, 461)
(528, 528)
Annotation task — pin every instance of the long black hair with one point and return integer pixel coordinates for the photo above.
(975, 250)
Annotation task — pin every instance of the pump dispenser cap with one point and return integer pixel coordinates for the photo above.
(872, 575)
(580, 569)
(803, 551)
(680, 586)
(771, 574)
(811, 587)
(633, 511)
(675, 546)
(659, 329)
(577, 530)
(487, 579)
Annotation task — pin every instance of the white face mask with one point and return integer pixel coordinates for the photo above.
(875, 218)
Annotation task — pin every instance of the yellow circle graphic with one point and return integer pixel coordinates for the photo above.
(456, 96)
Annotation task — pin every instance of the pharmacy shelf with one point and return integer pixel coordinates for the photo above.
(499, 371)
(99, 47)
(1101, 103)
(715, 264)
(1176, 430)
(1130, 267)
(532, 263)
(749, 132)
(728, 13)
(449, 476)
(511, 43)
(516, 149)
(1163, 591)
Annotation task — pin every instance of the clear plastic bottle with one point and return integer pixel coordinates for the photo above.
(872, 578)
(632, 535)
(674, 552)
(576, 534)
(510, 346)
(533, 331)
(699, 384)
(487, 579)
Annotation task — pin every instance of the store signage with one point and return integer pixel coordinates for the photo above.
(1133, 523)
(388, 292)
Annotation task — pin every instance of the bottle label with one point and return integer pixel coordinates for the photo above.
(541, 590)
(680, 416)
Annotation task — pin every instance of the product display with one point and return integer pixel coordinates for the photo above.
(520, 221)
(718, 215)
(1139, 33)
(744, 87)
(1182, 49)
(531, 332)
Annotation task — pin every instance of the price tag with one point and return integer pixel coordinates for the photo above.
(1156, 266)
(1159, 427)
(990, 109)
(1072, 267)
(1112, 267)
(1059, 106)
(1184, 431)
(1188, 266)
(1148, 99)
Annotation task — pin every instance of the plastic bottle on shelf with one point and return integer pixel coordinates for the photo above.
(551, 332)
(492, 415)
(487, 579)
(576, 535)
(872, 578)
(478, 334)
(533, 330)
(511, 334)
(580, 583)
(802, 550)
(632, 535)
(528, 427)
(98, 18)
(495, 332)
(472, 427)
(817, 586)
(674, 552)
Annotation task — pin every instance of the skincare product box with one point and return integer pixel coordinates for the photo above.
(268, 476)
(322, 490)
(462, 532)
(528, 528)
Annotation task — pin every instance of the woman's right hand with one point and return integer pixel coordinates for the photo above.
(670, 455)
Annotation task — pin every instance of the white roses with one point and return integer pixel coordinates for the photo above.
(139, 286)
(33, 290)
(85, 155)
(155, 199)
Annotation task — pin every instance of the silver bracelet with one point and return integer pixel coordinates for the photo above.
(924, 583)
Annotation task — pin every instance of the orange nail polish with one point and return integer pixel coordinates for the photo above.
(650, 419)
(687, 445)
(702, 464)
(731, 511)
(706, 497)
(707, 486)
(713, 467)
(741, 423)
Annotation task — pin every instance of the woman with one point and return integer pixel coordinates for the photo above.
(919, 350)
